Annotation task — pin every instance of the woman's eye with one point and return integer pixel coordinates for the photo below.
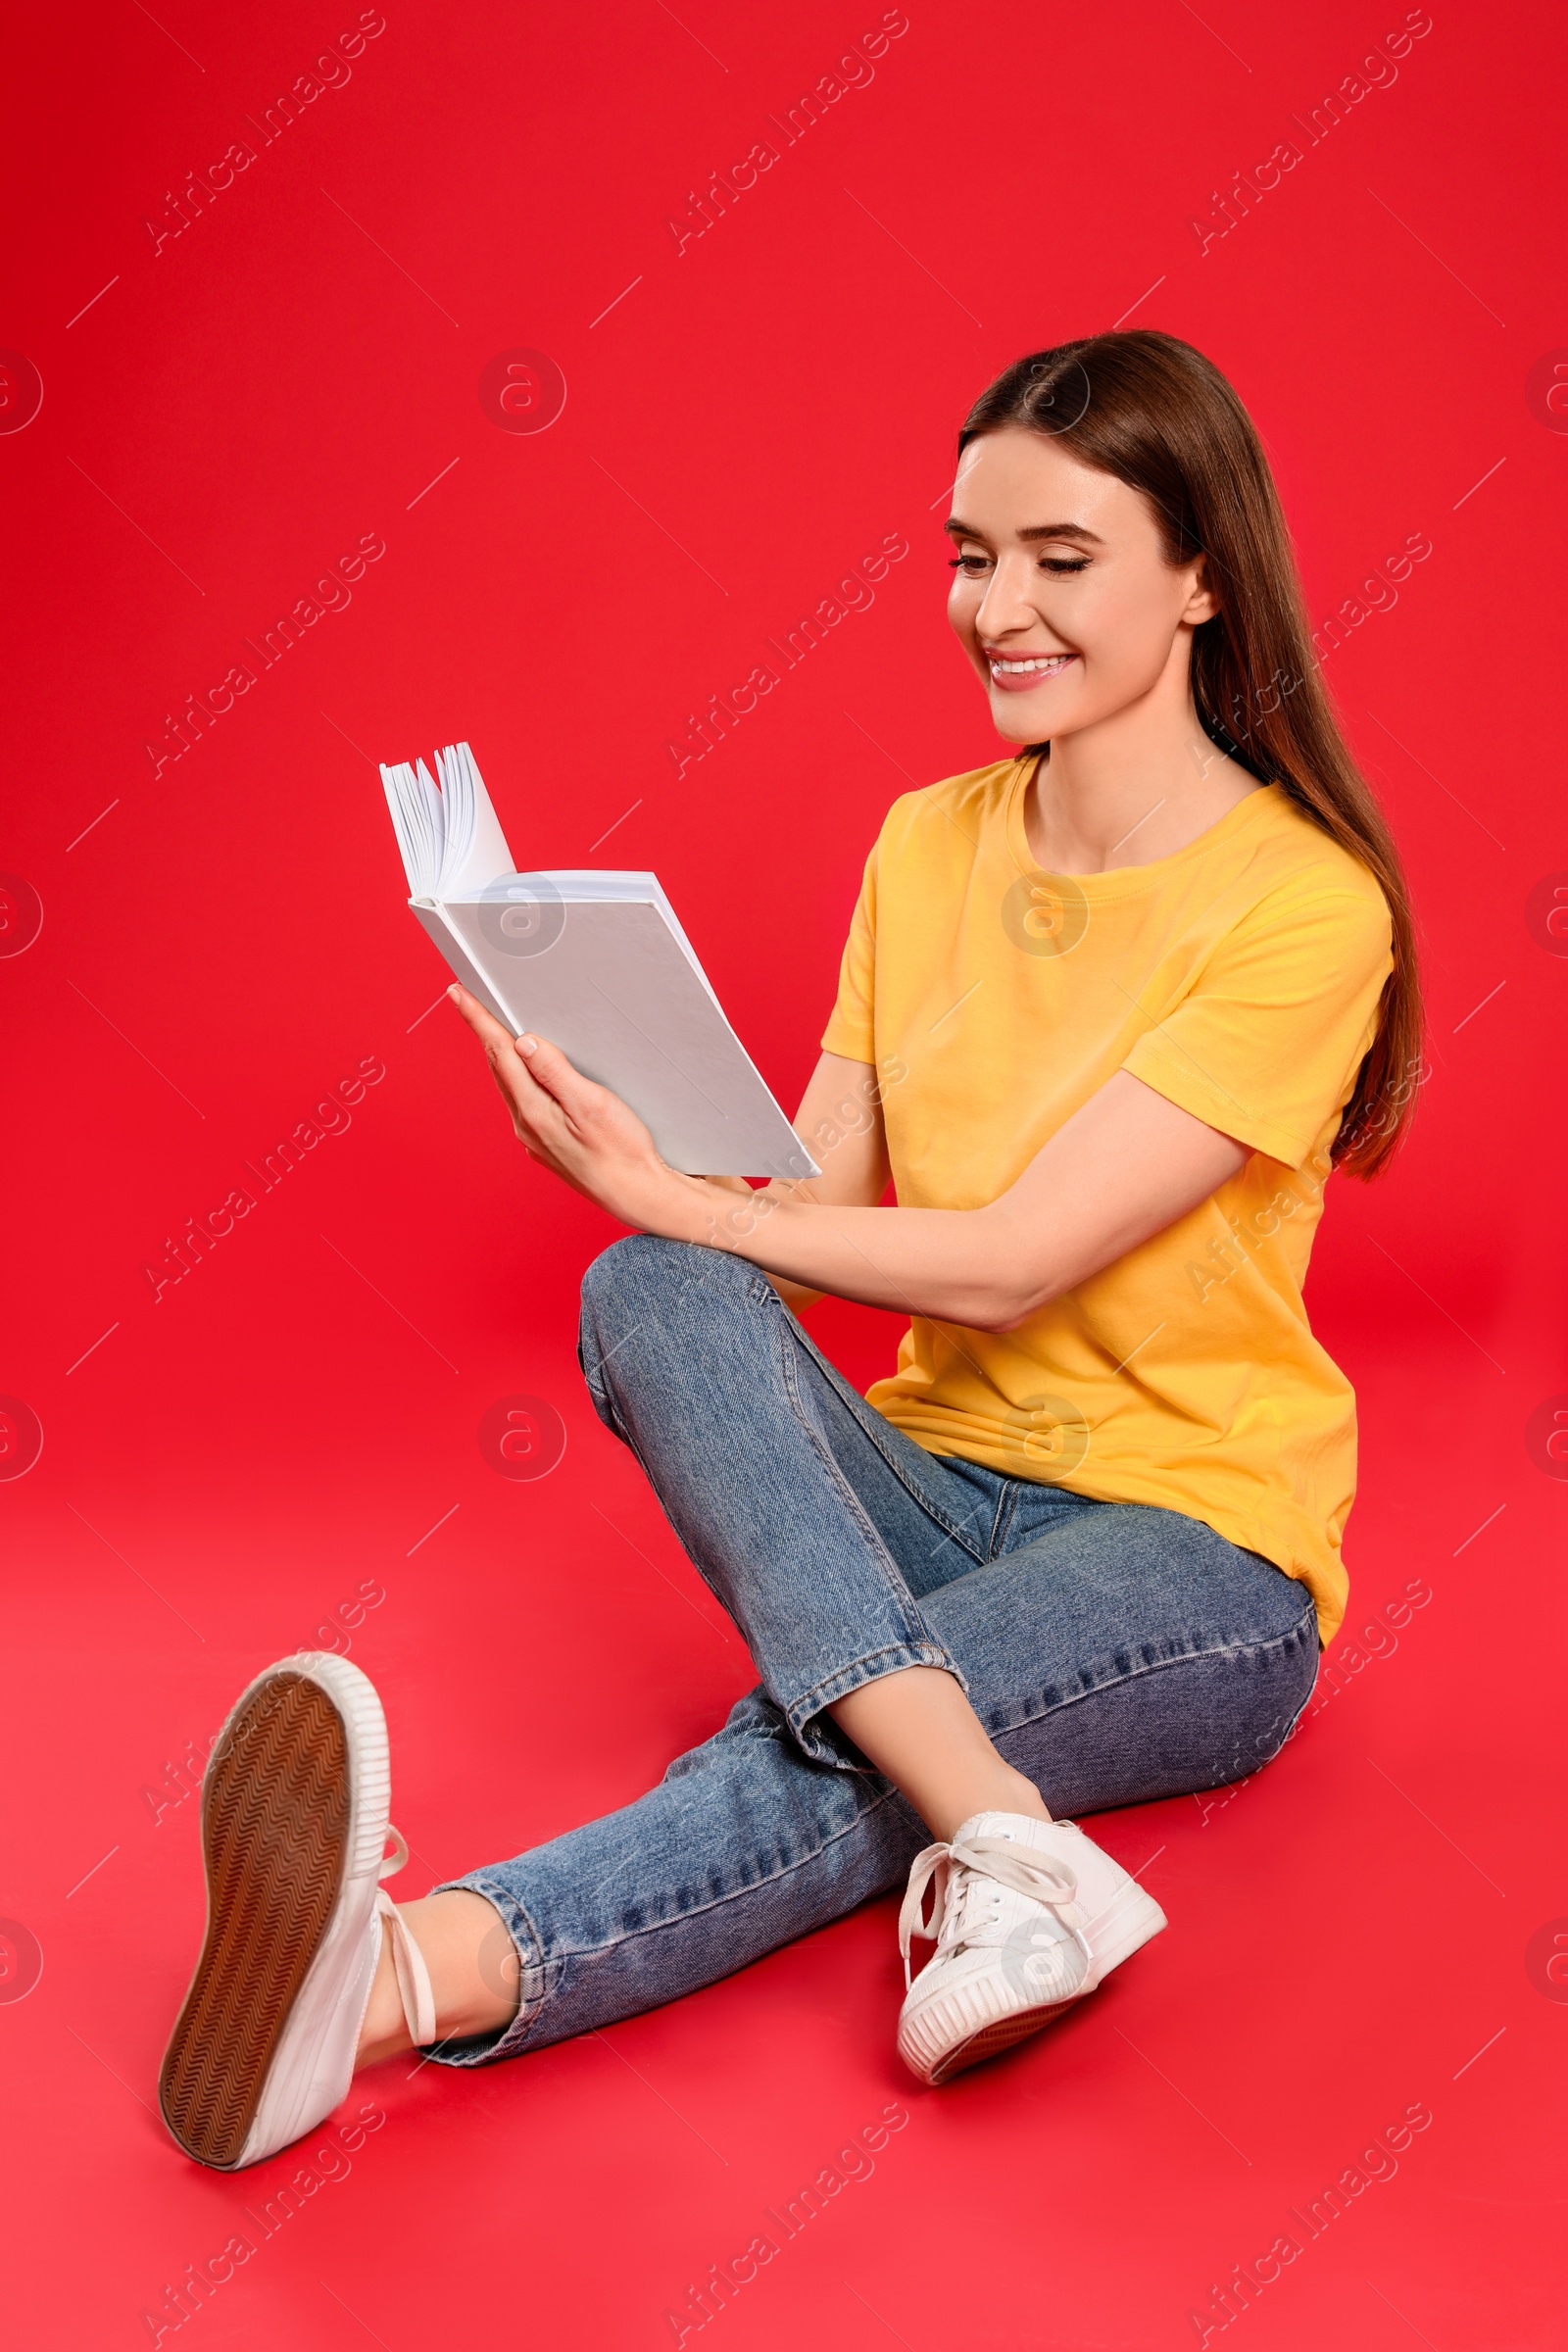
(974, 566)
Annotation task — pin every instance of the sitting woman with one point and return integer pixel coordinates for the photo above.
(1109, 1013)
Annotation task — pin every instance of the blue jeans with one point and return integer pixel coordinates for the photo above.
(1114, 1652)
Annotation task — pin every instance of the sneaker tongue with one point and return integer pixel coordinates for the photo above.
(985, 1911)
(1023, 1828)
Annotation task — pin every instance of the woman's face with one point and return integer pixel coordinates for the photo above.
(1061, 594)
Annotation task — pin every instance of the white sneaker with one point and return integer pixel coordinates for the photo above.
(1027, 1916)
(294, 1828)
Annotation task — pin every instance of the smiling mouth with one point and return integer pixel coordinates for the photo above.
(1026, 669)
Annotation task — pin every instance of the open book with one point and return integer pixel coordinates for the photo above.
(597, 964)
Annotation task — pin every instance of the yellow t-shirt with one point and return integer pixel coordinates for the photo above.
(1241, 978)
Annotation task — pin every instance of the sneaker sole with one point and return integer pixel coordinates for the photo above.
(992, 2040)
(289, 1800)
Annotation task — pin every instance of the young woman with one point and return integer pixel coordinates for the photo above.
(1109, 1012)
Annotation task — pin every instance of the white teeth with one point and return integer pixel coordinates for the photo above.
(1036, 665)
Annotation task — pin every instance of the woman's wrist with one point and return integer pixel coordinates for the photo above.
(713, 1216)
(673, 1206)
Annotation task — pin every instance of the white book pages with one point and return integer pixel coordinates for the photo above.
(408, 823)
(476, 849)
(432, 824)
(456, 818)
(449, 834)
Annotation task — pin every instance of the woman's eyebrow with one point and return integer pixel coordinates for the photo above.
(1034, 530)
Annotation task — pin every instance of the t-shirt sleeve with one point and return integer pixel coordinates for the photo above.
(1267, 1045)
(852, 1029)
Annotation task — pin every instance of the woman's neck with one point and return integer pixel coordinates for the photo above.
(1139, 786)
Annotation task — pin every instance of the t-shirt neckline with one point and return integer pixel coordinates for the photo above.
(1123, 881)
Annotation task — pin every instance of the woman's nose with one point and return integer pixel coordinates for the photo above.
(1007, 604)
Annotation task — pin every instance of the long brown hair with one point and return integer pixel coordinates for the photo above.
(1155, 412)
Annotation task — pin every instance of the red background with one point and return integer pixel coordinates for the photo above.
(230, 414)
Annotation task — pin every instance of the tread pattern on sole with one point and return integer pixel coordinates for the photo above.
(275, 1808)
(992, 2040)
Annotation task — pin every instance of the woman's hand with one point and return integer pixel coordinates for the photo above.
(582, 1132)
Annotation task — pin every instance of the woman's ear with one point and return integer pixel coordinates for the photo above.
(1201, 604)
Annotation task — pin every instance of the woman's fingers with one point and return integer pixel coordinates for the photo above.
(544, 1062)
(528, 1102)
(576, 1126)
(535, 1113)
(483, 1024)
(549, 1068)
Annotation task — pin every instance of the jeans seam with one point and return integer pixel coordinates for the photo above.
(1227, 1649)
(918, 1631)
(1308, 1617)
(1002, 1523)
(589, 1951)
(858, 1406)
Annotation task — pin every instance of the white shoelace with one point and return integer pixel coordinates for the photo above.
(413, 1977)
(966, 1903)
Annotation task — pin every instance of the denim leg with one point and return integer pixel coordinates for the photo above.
(1125, 1654)
(799, 1522)
(745, 1844)
(1113, 1661)
(1115, 1654)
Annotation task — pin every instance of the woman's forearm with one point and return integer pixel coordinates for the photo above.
(954, 1265)
(1125, 1165)
(1128, 1162)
